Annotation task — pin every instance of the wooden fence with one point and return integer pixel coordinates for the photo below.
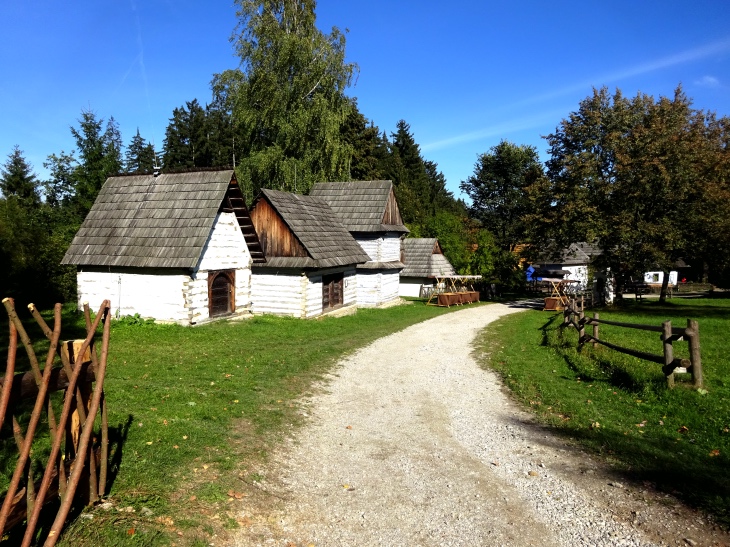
(574, 315)
(76, 471)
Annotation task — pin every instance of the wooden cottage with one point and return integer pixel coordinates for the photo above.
(310, 257)
(369, 210)
(424, 262)
(173, 247)
(576, 263)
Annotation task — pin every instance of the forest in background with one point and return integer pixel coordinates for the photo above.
(645, 179)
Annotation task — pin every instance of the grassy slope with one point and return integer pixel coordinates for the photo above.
(619, 406)
(191, 409)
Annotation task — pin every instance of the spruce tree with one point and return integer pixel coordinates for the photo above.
(17, 179)
(140, 155)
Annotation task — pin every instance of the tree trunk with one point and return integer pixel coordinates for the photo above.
(665, 284)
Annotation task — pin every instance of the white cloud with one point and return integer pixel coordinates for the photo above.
(708, 81)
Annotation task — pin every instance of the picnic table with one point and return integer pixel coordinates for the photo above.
(454, 290)
(558, 293)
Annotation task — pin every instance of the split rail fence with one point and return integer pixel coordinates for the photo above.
(76, 469)
(574, 315)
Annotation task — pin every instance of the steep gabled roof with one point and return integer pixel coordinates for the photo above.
(363, 206)
(576, 254)
(155, 221)
(313, 224)
(423, 258)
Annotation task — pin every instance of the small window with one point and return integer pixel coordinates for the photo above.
(221, 292)
(655, 278)
(332, 290)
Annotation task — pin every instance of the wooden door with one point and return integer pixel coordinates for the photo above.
(332, 290)
(221, 292)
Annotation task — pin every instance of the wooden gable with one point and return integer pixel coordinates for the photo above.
(391, 215)
(234, 202)
(274, 234)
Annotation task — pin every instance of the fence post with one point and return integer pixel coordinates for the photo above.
(668, 353)
(566, 314)
(694, 352)
(581, 323)
(595, 329)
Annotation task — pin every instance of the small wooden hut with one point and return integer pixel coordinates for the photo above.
(310, 257)
(424, 262)
(172, 247)
(369, 210)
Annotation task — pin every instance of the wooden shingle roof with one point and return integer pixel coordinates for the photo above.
(155, 221)
(312, 224)
(423, 258)
(363, 206)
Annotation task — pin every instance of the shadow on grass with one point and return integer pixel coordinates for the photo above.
(652, 464)
(117, 440)
(719, 309)
(659, 463)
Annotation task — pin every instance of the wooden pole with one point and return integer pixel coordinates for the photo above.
(595, 329)
(668, 353)
(581, 322)
(694, 352)
(73, 481)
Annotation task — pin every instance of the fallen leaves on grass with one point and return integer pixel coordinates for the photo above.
(714, 453)
(167, 521)
(684, 429)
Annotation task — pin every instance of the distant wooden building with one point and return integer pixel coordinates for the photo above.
(173, 247)
(424, 261)
(369, 210)
(310, 257)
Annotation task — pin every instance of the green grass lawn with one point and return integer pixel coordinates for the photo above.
(194, 410)
(619, 406)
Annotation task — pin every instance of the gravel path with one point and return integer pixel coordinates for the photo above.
(411, 443)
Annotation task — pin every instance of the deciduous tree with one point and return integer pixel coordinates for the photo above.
(288, 97)
(498, 190)
(635, 174)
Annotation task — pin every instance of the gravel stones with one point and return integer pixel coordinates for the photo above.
(412, 443)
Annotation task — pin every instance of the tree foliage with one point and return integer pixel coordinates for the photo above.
(140, 155)
(498, 190)
(17, 180)
(643, 177)
(288, 98)
(100, 156)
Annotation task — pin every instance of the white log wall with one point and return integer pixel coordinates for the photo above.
(174, 297)
(295, 293)
(377, 287)
(384, 248)
(277, 292)
(225, 249)
(150, 293)
(411, 286)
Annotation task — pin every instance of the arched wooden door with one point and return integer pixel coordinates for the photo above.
(221, 292)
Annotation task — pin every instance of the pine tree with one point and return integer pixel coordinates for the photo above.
(186, 139)
(18, 181)
(100, 156)
(140, 155)
(369, 149)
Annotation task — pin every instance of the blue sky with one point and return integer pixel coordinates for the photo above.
(464, 74)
